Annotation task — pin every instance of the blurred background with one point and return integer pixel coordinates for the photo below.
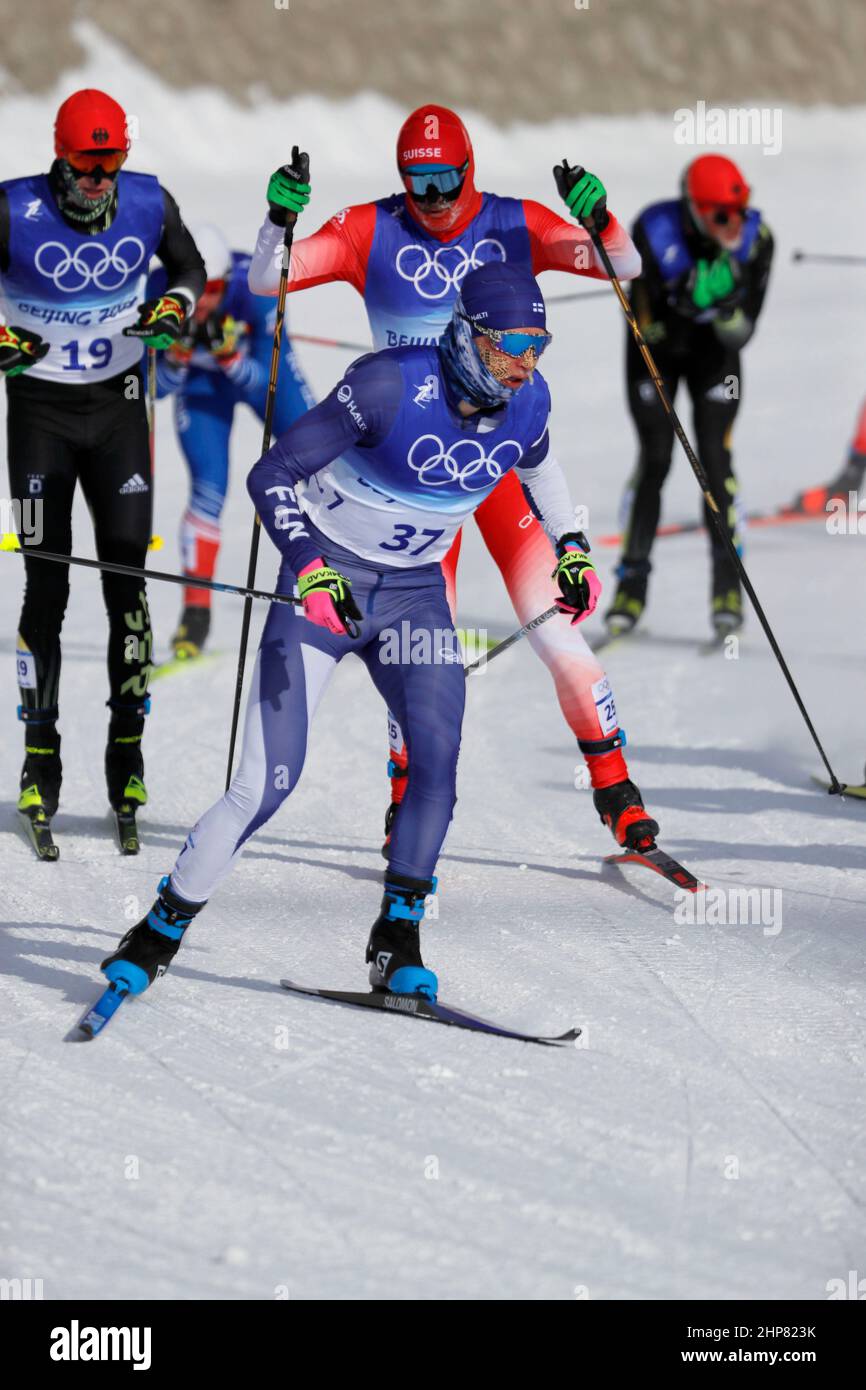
(516, 59)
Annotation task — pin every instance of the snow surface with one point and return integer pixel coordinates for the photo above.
(707, 1140)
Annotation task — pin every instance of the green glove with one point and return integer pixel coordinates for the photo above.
(584, 194)
(289, 188)
(711, 281)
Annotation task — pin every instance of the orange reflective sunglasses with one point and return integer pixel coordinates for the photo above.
(85, 161)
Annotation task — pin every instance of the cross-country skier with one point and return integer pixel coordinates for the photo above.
(407, 255)
(222, 361)
(706, 261)
(74, 250)
(850, 479)
(363, 497)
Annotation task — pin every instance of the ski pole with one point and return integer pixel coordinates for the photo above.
(257, 525)
(331, 342)
(827, 259)
(367, 347)
(712, 505)
(509, 641)
(155, 542)
(137, 573)
(578, 294)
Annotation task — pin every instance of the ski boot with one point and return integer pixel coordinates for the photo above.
(727, 608)
(621, 809)
(398, 771)
(629, 600)
(124, 770)
(41, 777)
(148, 948)
(813, 502)
(394, 947)
(192, 632)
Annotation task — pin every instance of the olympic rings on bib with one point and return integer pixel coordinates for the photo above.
(92, 263)
(472, 470)
(434, 276)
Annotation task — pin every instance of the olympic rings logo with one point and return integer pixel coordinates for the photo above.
(436, 275)
(92, 263)
(464, 462)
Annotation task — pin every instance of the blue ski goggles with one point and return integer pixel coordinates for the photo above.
(444, 178)
(513, 343)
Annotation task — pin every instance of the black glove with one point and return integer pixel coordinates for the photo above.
(20, 349)
(289, 189)
(161, 321)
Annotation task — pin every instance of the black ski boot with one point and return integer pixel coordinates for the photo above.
(394, 947)
(124, 770)
(629, 600)
(727, 605)
(41, 777)
(621, 809)
(192, 632)
(148, 948)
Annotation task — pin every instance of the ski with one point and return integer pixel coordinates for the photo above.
(415, 1006)
(660, 863)
(857, 791)
(102, 1012)
(173, 664)
(127, 830)
(37, 828)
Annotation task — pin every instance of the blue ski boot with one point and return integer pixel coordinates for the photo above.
(148, 948)
(394, 948)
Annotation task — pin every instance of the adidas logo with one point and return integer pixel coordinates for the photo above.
(134, 484)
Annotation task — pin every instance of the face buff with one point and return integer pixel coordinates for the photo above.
(467, 373)
(75, 204)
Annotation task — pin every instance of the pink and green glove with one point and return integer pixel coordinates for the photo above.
(577, 577)
(327, 597)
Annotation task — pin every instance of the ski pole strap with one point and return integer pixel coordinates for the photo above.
(595, 747)
(395, 770)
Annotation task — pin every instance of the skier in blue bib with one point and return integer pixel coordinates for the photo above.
(75, 244)
(222, 361)
(363, 496)
(706, 262)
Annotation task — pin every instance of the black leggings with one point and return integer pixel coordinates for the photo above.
(712, 375)
(58, 435)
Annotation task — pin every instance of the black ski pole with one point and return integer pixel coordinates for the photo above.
(825, 258)
(712, 506)
(509, 641)
(266, 444)
(138, 573)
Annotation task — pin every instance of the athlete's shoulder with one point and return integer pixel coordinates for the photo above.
(354, 220)
(23, 182)
(664, 210)
(393, 205)
(131, 178)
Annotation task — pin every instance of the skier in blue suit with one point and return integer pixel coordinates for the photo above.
(363, 497)
(223, 361)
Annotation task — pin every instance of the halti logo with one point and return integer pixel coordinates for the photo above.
(344, 396)
(33, 209)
